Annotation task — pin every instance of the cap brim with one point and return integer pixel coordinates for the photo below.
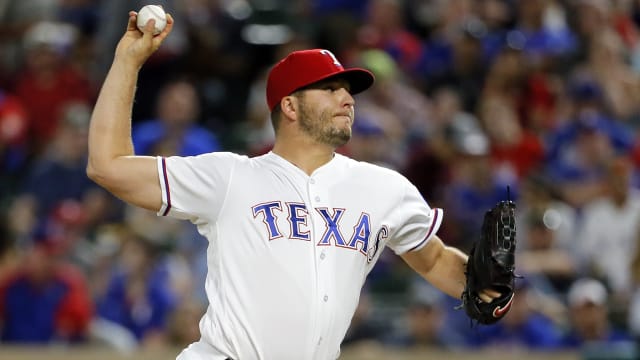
(359, 79)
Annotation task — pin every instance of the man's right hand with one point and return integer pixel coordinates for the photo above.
(136, 46)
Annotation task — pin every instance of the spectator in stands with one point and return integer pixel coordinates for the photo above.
(542, 32)
(59, 175)
(424, 324)
(454, 56)
(591, 18)
(607, 237)
(44, 299)
(589, 311)
(579, 150)
(527, 326)
(384, 27)
(514, 150)
(16, 18)
(47, 82)
(139, 296)
(620, 83)
(175, 130)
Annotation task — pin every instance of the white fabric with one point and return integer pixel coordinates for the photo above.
(608, 239)
(288, 253)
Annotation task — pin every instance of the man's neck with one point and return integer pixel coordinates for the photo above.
(307, 157)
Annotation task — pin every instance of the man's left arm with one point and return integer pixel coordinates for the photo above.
(444, 267)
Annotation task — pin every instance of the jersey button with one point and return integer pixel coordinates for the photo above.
(325, 298)
(312, 181)
(322, 256)
(317, 198)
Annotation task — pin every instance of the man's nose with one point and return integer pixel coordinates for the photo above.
(347, 98)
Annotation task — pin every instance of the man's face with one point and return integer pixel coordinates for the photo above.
(589, 319)
(326, 112)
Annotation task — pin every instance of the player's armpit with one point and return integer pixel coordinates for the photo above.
(443, 266)
(133, 179)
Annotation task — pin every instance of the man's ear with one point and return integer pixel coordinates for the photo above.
(289, 106)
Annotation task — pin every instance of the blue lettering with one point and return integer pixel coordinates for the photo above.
(269, 217)
(298, 216)
(332, 228)
(361, 233)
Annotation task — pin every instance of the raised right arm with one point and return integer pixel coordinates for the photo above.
(112, 163)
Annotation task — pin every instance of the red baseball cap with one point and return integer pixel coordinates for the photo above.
(305, 67)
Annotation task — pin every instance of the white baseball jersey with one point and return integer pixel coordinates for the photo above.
(288, 253)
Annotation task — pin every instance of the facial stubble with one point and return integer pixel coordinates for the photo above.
(321, 128)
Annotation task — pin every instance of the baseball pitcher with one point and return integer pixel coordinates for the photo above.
(292, 233)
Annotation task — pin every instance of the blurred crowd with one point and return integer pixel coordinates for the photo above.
(471, 97)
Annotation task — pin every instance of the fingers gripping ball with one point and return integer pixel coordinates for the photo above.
(155, 12)
(491, 265)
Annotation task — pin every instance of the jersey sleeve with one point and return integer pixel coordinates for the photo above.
(195, 187)
(417, 222)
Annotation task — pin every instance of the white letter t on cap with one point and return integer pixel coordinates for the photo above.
(335, 61)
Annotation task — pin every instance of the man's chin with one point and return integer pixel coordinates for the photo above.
(337, 141)
(341, 139)
(335, 138)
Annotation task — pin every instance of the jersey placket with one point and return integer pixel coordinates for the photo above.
(318, 198)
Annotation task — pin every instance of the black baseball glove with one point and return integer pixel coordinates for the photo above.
(491, 265)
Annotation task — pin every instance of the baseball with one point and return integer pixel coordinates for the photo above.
(155, 12)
